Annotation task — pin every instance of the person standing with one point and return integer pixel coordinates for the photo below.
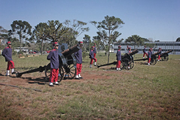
(159, 55)
(118, 57)
(91, 56)
(149, 56)
(95, 53)
(7, 53)
(54, 64)
(78, 56)
(144, 52)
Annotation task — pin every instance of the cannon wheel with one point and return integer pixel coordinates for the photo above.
(165, 58)
(153, 61)
(72, 72)
(131, 64)
(48, 72)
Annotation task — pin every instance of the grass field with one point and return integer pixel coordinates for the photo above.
(144, 92)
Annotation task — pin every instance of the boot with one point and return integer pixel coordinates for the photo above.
(51, 84)
(80, 77)
(56, 83)
(7, 73)
(12, 70)
(94, 63)
(77, 77)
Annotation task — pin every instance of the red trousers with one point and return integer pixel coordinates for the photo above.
(149, 60)
(10, 65)
(78, 68)
(159, 57)
(54, 75)
(94, 55)
(91, 62)
(118, 64)
(145, 54)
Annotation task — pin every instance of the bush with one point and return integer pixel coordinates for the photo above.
(84, 54)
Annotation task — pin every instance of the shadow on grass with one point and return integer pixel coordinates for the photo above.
(1, 74)
(25, 68)
(40, 80)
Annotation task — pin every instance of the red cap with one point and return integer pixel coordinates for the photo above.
(119, 46)
(80, 42)
(55, 43)
(9, 43)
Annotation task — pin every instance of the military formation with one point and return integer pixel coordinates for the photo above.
(61, 61)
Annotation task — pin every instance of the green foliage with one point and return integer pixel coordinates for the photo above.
(178, 39)
(84, 54)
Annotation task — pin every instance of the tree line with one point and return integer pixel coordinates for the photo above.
(43, 34)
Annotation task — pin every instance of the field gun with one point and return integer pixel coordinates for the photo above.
(153, 58)
(164, 56)
(127, 61)
(67, 64)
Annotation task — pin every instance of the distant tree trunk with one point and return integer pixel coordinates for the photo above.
(41, 46)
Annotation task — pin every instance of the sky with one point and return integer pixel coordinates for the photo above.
(151, 19)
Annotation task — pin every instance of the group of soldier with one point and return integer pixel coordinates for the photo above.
(54, 60)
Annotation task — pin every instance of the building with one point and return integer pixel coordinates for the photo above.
(165, 45)
(23, 49)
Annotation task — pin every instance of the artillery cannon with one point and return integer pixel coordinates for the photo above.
(153, 58)
(127, 61)
(67, 64)
(165, 56)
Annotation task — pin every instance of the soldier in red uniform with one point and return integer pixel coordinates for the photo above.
(149, 56)
(118, 56)
(7, 53)
(78, 56)
(159, 55)
(144, 52)
(95, 54)
(91, 56)
(54, 63)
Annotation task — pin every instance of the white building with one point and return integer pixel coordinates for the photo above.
(165, 45)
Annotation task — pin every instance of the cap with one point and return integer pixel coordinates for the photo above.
(9, 43)
(55, 44)
(119, 46)
(80, 42)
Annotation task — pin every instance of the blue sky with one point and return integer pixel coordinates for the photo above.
(155, 19)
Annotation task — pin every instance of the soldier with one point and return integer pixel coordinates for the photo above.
(144, 52)
(54, 62)
(149, 56)
(95, 53)
(159, 55)
(118, 56)
(7, 53)
(78, 56)
(91, 56)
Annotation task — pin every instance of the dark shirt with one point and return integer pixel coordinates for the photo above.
(7, 53)
(94, 50)
(91, 54)
(144, 50)
(54, 59)
(78, 56)
(149, 54)
(160, 52)
(118, 55)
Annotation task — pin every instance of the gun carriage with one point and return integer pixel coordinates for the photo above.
(127, 61)
(165, 56)
(67, 64)
(153, 58)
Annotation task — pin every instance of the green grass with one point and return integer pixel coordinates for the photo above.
(144, 92)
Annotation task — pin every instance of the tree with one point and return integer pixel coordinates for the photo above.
(178, 39)
(22, 28)
(3, 33)
(137, 40)
(110, 24)
(40, 33)
(76, 28)
(56, 30)
(87, 42)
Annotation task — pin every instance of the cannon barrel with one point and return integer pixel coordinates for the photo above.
(165, 53)
(130, 54)
(70, 51)
(147, 57)
(113, 63)
(40, 69)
